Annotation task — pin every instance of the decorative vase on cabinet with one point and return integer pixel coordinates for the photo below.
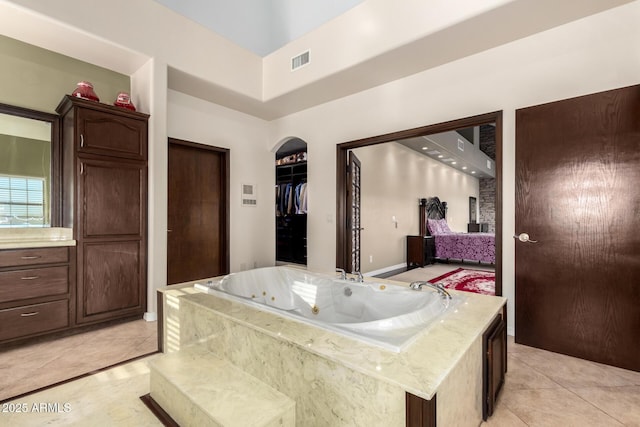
(105, 202)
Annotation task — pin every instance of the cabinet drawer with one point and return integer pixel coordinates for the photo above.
(34, 282)
(32, 319)
(18, 257)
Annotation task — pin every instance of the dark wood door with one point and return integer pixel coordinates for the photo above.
(354, 227)
(197, 240)
(578, 196)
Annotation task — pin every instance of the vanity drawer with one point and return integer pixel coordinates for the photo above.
(32, 319)
(18, 257)
(33, 282)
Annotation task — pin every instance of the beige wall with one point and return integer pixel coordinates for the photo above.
(579, 58)
(394, 178)
(252, 228)
(37, 78)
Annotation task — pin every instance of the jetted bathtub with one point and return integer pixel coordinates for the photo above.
(381, 314)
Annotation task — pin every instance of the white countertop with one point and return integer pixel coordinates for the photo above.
(16, 238)
(419, 369)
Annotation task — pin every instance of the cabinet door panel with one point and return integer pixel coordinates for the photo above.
(112, 201)
(494, 342)
(112, 135)
(112, 278)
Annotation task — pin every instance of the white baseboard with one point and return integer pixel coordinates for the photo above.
(511, 330)
(385, 270)
(150, 316)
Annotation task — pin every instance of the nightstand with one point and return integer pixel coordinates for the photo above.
(421, 250)
(477, 227)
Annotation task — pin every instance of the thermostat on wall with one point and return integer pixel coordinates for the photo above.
(249, 196)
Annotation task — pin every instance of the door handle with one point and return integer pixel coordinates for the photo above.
(524, 237)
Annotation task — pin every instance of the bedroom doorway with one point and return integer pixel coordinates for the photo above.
(384, 206)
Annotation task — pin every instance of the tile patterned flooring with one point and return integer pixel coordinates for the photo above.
(109, 398)
(550, 389)
(30, 367)
(541, 389)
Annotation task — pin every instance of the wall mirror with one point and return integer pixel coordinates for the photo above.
(29, 168)
(472, 210)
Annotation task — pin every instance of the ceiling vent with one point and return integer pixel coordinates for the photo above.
(299, 61)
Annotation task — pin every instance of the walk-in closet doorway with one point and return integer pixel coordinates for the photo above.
(291, 202)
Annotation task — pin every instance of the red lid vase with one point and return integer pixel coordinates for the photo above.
(124, 100)
(84, 90)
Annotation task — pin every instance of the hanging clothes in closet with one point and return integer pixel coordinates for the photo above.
(291, 200)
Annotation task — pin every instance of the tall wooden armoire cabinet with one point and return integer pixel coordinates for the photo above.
(104, 196)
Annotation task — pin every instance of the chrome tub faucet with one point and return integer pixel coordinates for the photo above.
(417, 286)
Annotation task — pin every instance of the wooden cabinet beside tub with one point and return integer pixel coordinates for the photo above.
(422, 413)
(494, 363)
(104, 199)
(36, 291)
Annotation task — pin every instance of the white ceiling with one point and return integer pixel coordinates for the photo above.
(261, 26)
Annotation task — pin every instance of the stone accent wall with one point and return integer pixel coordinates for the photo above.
(487, 203)
(488, 140)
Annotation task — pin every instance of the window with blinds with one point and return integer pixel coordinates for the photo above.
(21, 202)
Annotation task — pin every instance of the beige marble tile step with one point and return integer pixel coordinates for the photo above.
(197, 388)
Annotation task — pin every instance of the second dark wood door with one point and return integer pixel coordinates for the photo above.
(197, 242)
(578, 196)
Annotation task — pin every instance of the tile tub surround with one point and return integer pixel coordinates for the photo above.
(15, 238)
(333, 379)
(196, 389)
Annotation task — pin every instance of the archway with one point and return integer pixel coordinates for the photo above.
(291, 202)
